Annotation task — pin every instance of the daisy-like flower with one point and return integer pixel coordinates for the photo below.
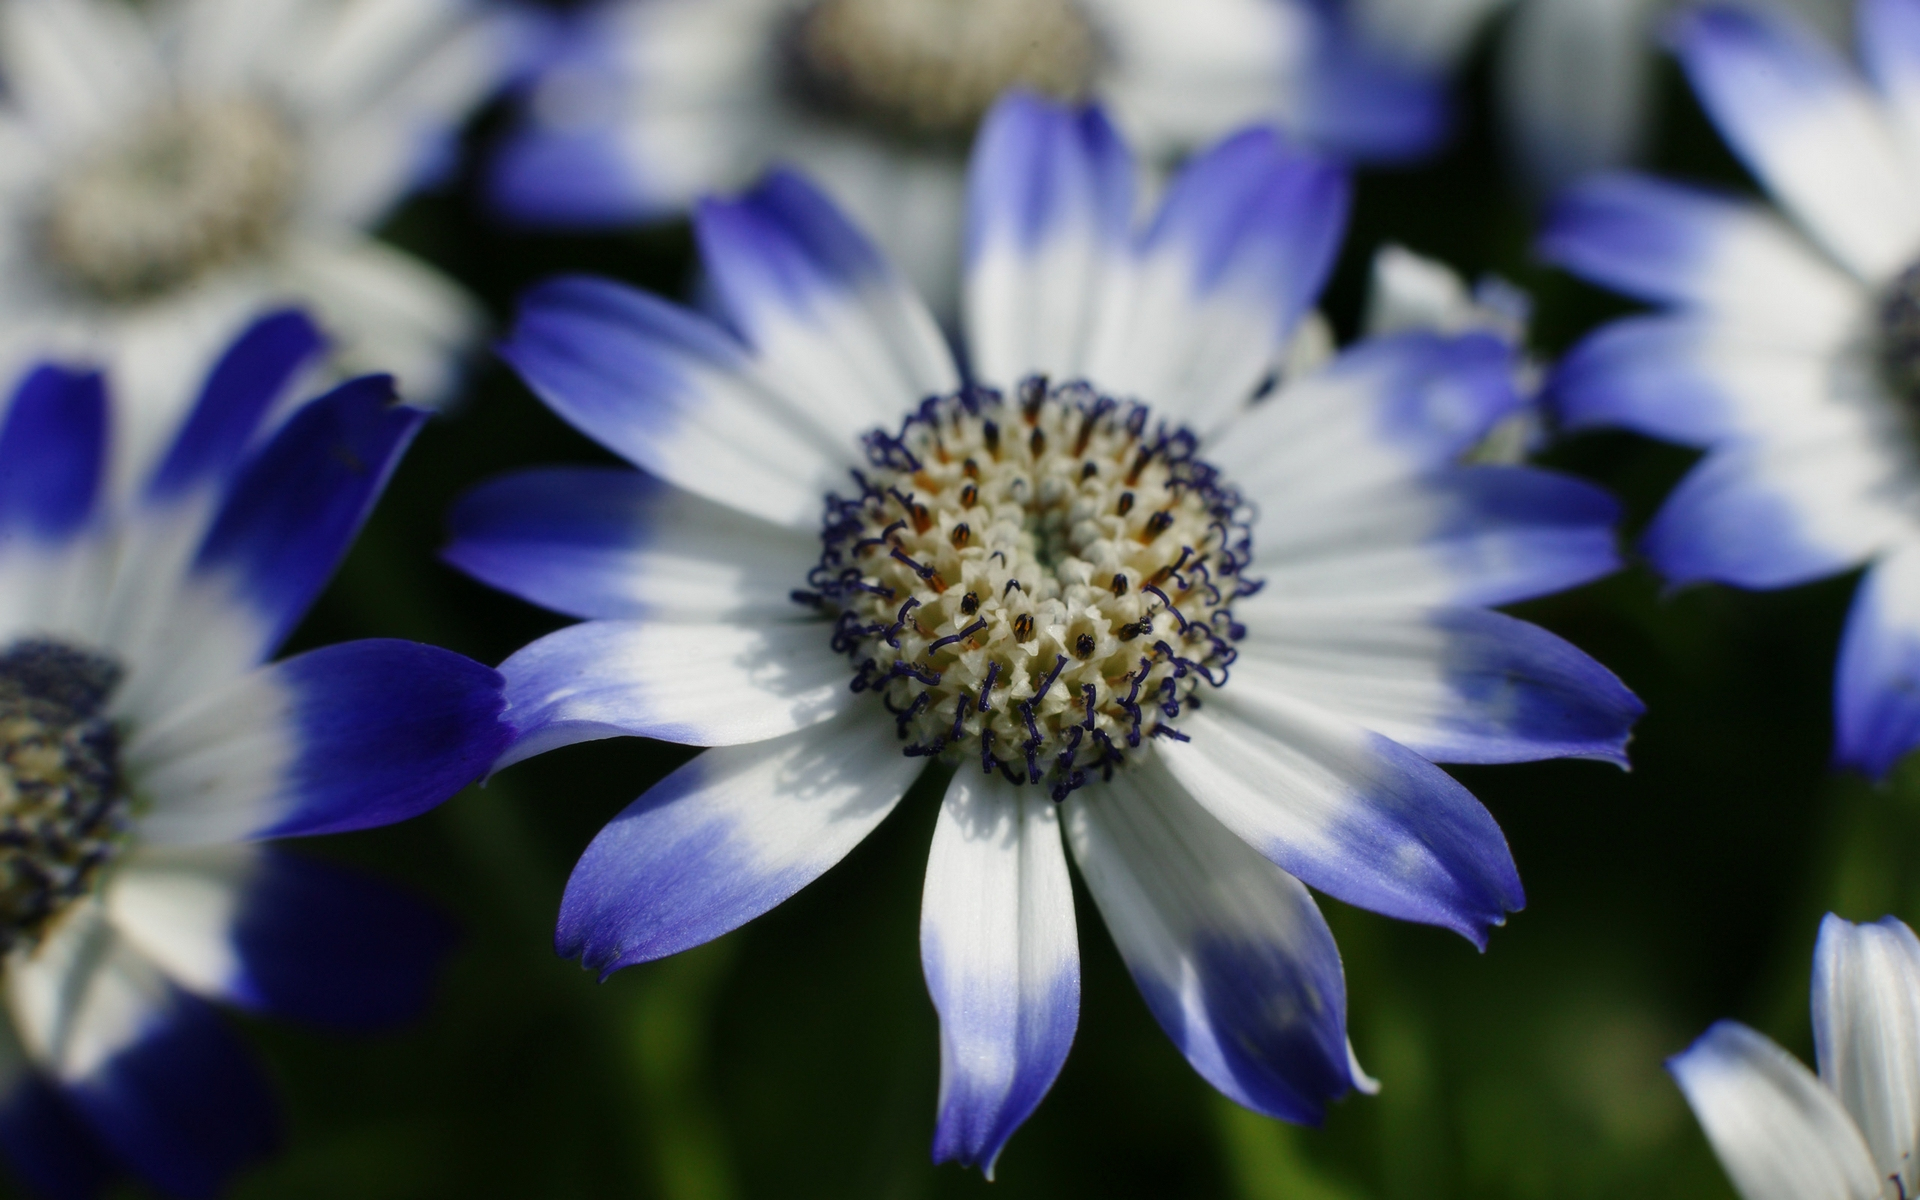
(1214, 643)
(1849, 1134)
(172, 169)
(648, 104)
(1791, 348)
(145, 751)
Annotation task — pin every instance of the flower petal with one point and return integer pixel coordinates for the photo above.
(1877, 684)
(1888, 34)
(1450, 684)
(1673, 244)
(345, 737)
(675, 394)
(1804, 123)
(1049, 206)
(1002, 960)
(823, 311)
(281, 934)
(47, 1145)
(297, 504)
(608, 542)
(1866, 1030)
(727, 837)
(77, 67)
(1469, 536)
(1239, 251)
(1699, 380)
(1388, 410)
(1576, 87)
(1357, 816)
(243, 386)
(154, 1070)
(1229, 951)
(699, 684)
(54, 447)
(1768, 516)
(1777, 1131)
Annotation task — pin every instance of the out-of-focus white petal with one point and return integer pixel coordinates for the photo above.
(1866, 1030)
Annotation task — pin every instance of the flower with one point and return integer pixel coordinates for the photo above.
(1575, 77)
(175, 168)
(145, 751)
(1043, 584)
(646, 104)
(1849, 1134)
(1789, 350)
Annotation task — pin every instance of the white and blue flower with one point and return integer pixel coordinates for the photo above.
(1849, 1133)
(168, 170)
(1788, 348)
(648, 104)
(148, 748)
(1037, 581)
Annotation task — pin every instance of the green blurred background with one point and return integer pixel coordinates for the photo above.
(798, 1057)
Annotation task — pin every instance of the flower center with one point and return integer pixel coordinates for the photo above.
(932, 68)
(193, 188)
(63, 814)
(1044, 584)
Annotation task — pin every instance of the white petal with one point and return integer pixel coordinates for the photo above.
(83, 994)
(179, 906)
(1866, 1030)
(77, 66)
(1778, 1132)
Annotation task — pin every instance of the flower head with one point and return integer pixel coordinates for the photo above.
(1850, 1133)
(647, 104)
(176, 167)
(145, 751)
(1787, 347)
(1208, 637)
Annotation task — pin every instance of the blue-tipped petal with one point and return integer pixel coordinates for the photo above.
(726, 837)
(1806, 125)
(1389, 410)
(240, 390)
(185, 1106)
(1049, 205)
(1002, 961)
(1764, 516)
(1370, 106)
(297, 503)
(282, 934)
(696, 683)
(610, 542)
(844, 334)
(345, 737)
(1349, 812)
(1877, 682)
(1239, 251)
(1454, 685)
(674, 393)
(581, 179)
(48, 1147)
(1470, 536)
(53, 454)
(1229, 952)
(1888, 33)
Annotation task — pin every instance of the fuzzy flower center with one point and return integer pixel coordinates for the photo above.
(1042, 584)
(63, 813)
(932, 68)
(193, 188)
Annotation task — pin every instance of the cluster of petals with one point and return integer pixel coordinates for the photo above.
(111, 1057)
(1849, 1133)
(1771, 348)
(644, 105)
(277, 133)
(1369, 654)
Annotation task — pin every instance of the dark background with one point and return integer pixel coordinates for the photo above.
(798, 1056)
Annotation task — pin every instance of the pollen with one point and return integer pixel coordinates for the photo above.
(63, 813)
(931, 68)
(1087, 603)
(188, 190)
